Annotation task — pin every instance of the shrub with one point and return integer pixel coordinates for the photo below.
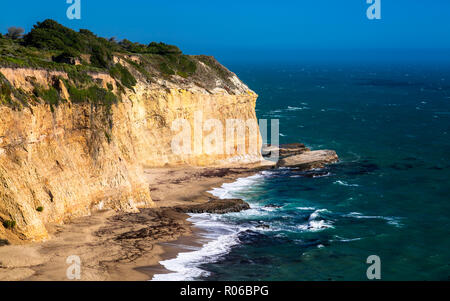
(162, 49)
(40, 209)
(100, 57)
(5, 94)
(94, 94)
(15, 32)
(87, 32)
(9, 224)
(53, 36)
(133, 47)
(68, 56)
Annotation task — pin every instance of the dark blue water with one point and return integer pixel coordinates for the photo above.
(388, 196)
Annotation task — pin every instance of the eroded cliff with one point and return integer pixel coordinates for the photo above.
(63, 156)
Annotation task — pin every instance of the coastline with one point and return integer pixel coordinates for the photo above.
(130, 246)
(125, 246)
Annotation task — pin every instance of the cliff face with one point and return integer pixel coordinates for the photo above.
(60, 162)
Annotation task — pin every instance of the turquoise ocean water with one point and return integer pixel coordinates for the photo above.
(388, 196)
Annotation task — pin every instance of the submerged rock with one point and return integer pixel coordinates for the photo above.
(309, 160)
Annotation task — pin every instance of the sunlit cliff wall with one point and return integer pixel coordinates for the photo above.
(65, 160)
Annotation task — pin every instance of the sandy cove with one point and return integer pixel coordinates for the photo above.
(116, 245)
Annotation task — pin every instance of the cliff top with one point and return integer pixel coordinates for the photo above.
(53, 47)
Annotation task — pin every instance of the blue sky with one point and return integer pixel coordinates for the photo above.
(246, 26)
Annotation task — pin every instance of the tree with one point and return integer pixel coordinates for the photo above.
(15, 32)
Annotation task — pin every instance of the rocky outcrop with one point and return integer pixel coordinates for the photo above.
(285, 150)
(309, 160)
(218, 206)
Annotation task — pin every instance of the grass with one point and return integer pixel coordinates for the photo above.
(50, 96)
(80, 76)
(215, 66)
(5, 93)
(93, 94)
(141, 68)
(125, 77)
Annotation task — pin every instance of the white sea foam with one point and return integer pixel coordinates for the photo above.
(391, 220)
(315, 225)
(289, 108)
(220, 236)
(342, 239)
(227, 189)
(270, 209)
(316, 214)
(305, 208)
(346, 184)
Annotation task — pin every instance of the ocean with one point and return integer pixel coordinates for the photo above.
(388, 195)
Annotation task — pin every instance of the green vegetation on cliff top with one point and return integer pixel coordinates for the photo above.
(51, 46)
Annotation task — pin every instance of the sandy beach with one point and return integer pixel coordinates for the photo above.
(124, 246)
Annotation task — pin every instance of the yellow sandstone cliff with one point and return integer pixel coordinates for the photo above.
(61, 159)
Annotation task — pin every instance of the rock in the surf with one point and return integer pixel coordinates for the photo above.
(217, 206)
(309, 160)
(285, 150)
